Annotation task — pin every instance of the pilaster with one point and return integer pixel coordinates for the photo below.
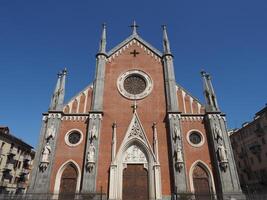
(41, 172)
(177, 152)
(227, 181)
(91, 153)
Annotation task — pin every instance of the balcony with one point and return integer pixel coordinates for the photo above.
(9, 166)
(25, 171)
(259, 131)
(3, 184)
(21, 185)
(255, 148)
(12, 151)
(27, 157)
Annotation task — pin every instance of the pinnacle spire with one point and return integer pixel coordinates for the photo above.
(134, 27)
(209, 92)
(59, 92)
(103, 41)
(166, 43)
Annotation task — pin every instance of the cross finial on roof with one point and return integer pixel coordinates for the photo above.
(134, 26)
(134, 106)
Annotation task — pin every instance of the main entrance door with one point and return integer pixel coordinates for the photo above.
(68, 183)
(135, 183)
(201, 183)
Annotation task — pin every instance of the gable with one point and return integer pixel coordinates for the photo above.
(134, 39)
(80, 103)
(187, 103)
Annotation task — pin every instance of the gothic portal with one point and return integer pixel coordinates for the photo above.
(134, 133)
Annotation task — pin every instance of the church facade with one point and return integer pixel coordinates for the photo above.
(135, 133)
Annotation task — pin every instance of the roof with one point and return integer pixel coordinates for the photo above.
(5, 133)
(130, 38)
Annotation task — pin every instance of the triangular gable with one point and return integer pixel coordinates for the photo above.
(69, 106)
(135, 132)
(140, 40)
(189, 94)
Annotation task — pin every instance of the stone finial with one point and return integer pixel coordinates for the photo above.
(103, 41)
(166, 43)
(134, 27)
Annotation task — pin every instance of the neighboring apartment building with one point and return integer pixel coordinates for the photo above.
(16, 159)
(250, 151)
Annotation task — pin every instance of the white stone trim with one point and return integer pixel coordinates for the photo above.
(67, 137)
(151, 164)
(209, 172)
(59, 174)
(200, 133)
(147, 78)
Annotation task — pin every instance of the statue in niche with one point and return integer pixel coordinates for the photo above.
(176, 133)
(93, 132)
(218, 134)
(178, 158)
(90, 157)
(50, 133)
(222, 154)
(45, 157)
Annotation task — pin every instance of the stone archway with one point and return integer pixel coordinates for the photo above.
(68, 182)
(201, 182)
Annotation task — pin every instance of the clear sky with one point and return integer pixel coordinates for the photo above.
(38, 38)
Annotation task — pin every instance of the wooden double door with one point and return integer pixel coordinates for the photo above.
(68, 183)
(201, 184)
(135, 183)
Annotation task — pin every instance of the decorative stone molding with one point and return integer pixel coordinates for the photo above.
(132, 42)
(74, 118)
(134, 155)
(192, 118)
(54, 115)
(135, 149)
(95, 116)
(174, 116)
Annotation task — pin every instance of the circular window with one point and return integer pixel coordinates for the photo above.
(73, 138)
(195, 138)
(134, 84)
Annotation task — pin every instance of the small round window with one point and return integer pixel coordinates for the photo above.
(195, 138)
(73, 138)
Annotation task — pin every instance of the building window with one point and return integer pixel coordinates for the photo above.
(73, 137)
(134, 84)
(251, 160)
(263, 140)
(259, 158)
(195, 138)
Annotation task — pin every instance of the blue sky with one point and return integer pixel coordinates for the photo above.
(38, 38)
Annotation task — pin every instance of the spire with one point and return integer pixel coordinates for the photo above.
(62, 89)
(103, 42)
(59, 92)
(166, 43)
(134, 26)
(209, 93)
